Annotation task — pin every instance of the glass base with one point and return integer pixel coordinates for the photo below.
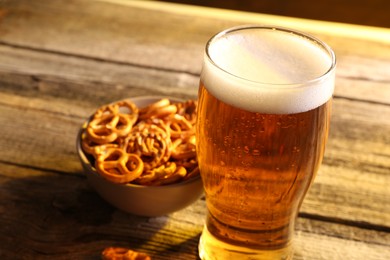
(210, 248)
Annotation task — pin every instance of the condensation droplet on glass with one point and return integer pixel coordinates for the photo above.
(227, 140)
(246, 164)
(255, 152)
(242, 115)
(296, 149)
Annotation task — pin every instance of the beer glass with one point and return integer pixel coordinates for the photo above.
(263, 118)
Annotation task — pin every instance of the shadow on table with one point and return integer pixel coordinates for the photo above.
(60, 215)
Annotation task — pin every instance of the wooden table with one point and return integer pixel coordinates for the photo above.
(60, 60)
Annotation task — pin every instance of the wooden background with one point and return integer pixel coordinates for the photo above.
(60, 60)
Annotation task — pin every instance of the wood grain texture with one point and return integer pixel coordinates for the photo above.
(56, 216)
(60, 61)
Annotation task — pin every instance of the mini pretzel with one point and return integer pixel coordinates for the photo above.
(121, 253)
(112, 121)
(191, 173)
(159, 109)
(108, 128)
(179, 174)
(184, 149)
(188, 109)
(165, 174)
(150, 141)
(96, 149)
(118, 166)
(124, 107)
(180, 127)
(191, 165)
(87, 144)
(148, 177)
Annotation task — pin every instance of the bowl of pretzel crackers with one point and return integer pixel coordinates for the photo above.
(139, 154)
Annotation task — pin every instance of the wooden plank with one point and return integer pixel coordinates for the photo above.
(104, 31)
(100, 75)
(356, 160)
(77, 224)
(327, 247)
(60, 62)
(354, 178)
(368, 80)
(72, 79)
(112, 31)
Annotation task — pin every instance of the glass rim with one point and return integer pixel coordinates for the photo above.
(321, 44)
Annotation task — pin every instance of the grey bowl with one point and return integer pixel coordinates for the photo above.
(137, 199)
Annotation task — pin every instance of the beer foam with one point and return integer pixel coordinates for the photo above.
(269, 70)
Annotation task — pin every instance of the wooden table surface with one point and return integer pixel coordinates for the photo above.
(60, 60)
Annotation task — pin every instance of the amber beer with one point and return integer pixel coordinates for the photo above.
(261, 137)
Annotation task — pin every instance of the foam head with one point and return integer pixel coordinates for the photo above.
(269, 70)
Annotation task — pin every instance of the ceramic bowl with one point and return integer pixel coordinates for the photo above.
(137, 199)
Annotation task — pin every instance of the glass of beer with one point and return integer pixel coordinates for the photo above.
(263, 119)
